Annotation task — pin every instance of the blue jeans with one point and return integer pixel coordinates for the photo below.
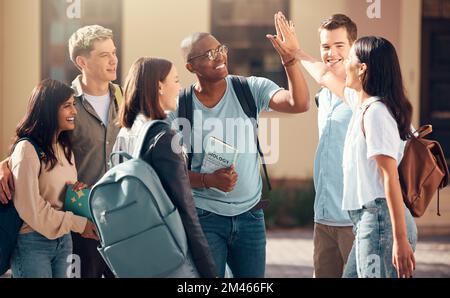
(371, 254)
(238, 240)
(36, 256)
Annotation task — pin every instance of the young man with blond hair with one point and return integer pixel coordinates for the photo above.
(93, 52)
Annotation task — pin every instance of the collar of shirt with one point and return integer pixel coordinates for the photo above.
(369, 101)
(76, 86)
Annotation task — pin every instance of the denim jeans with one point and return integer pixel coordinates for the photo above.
(239, 241)
(371, 254)
(35, 256)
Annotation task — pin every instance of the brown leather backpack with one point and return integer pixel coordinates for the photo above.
(422, 171)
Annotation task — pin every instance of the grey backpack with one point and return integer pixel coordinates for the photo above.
(141, 232)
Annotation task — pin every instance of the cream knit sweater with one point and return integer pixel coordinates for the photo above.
(39, 199)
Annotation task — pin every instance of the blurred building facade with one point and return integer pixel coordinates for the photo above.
(33, 38)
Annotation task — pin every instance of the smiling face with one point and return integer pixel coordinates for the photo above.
(203, 67)
(334, 49)
(101, 63)
(66, 115)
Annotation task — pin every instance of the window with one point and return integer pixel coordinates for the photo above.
(435, 74)
(436, 9)
(242, 26)
(60, 19)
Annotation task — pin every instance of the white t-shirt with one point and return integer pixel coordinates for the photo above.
(100, 105)
(362, 179)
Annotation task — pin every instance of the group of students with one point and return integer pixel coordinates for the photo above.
(76, 129)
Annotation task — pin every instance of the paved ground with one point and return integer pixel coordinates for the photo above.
(289, 254)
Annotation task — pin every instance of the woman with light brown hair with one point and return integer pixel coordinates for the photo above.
(151, 89)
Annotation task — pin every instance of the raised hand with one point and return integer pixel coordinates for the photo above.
(285, 42)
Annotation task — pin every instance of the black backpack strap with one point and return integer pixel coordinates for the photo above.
(39, 152)
(245, 96)
(248, 104)
(316, 97)
(185, 111)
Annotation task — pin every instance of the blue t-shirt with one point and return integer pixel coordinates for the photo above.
(333, 120)
(228, 122)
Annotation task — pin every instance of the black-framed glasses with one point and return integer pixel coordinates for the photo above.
(213, 53)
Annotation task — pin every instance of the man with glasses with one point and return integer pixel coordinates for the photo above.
(232, 219)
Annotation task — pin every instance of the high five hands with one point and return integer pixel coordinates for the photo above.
(285, 41)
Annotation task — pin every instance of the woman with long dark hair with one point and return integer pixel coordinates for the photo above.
(151, 90)
(44, 242)
(385, 232)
